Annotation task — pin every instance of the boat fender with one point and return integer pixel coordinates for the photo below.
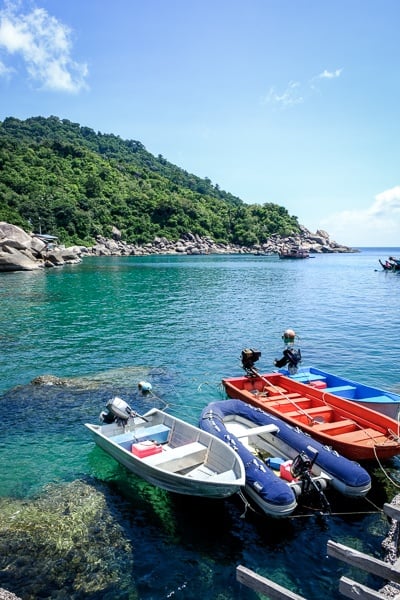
(145, 387)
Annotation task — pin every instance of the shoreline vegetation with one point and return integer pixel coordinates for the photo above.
(23, 251)
(84, 187)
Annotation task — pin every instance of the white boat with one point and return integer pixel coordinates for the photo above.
(168, 452)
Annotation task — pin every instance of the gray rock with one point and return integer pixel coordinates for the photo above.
(13, 259)
(13, 236)
(5, 595)
(20, 251)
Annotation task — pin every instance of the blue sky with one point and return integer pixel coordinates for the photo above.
(294, 102)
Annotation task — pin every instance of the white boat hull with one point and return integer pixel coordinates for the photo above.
(190, 461)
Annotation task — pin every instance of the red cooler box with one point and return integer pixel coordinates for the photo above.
(285, 470)
(320, 385)
(145, 448)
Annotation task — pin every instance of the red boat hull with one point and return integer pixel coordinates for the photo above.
(355, 431)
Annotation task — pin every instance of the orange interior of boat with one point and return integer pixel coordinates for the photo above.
(331, 420)
(309, 411)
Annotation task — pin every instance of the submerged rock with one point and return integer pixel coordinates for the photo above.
(67, 542)
(5, 595)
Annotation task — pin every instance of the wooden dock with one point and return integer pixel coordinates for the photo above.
(347, 587)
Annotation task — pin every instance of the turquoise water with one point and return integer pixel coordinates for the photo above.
(181, 322)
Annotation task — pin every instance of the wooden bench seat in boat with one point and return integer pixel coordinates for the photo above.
(362, 435)
(287, 405)
(345, 391)
(336, 427)
(281, 397)
(179, 458)
(324, 412)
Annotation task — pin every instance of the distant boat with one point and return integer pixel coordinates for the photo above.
(392, 264)
(294, 252)
(282, 463)
(355, 431)
(387, 403)
(168, 452)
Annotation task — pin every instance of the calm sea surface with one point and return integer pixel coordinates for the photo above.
(181, 323)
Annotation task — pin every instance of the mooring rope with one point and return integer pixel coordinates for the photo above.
(384, 471)
(284, 395)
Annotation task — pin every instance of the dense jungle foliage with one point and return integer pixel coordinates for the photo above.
(60, 178)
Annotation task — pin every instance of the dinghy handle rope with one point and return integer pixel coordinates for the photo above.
(246, 505)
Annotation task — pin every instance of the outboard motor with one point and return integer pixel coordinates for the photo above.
(291, 357)
(301, 469)
(301, 465)
(117, 410)
(249, 357)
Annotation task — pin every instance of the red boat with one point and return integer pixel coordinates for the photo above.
(355, 431)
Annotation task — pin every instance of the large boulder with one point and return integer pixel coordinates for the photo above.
(20, 251)
(14, 237)
(13, 259)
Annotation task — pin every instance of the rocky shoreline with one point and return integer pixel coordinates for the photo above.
(22, 251)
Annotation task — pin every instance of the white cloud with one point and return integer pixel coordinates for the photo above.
(376, 225)
(330, 74)
(44, 44)
(290, 96)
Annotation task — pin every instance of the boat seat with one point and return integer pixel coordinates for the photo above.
(306, 378)
(271, 428)
(203, 472)
(325, 412)
(156, 433)
(179, 458)
(122, 437)
(282, 398)
(345, 391)
(361, 435)
(287, 405)
(379, 399)
(336, 427)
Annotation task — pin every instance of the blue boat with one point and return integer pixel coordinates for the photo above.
(382, 401)
(281, 462)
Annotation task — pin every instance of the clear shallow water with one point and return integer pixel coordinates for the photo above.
(182, 322)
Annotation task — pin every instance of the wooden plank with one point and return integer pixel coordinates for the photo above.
(363, 561)
(264, 586)
(392, 511)
(354, 590)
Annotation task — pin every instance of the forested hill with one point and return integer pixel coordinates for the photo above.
(67, 180)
